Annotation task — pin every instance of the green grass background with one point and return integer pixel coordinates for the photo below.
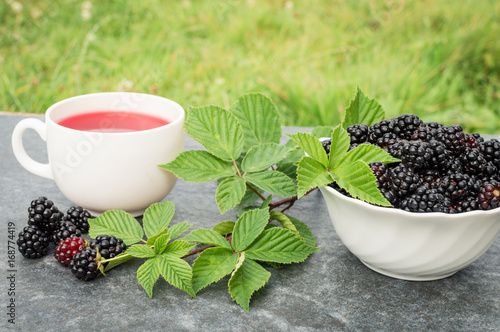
(437, 59)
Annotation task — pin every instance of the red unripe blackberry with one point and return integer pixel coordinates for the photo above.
(489, 195)
(85, 264)
(33, 242)
(44, 214)
(67, 248)
(78, 216)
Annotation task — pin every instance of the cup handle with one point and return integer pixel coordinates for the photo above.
(43, 170)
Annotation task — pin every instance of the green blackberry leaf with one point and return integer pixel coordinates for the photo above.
(284, 221)
(304, 231)
(152, 239)
(178, 229)
(199, 166)
(248, 227)
(246, 280)
(311, 145)
(261, 157)
(273, 182)
(207, 236)
(176, 272)
(224, 227)
(117, 223)
(229, 193)
(217, 130)
(322, 131)
(157, 217)
(117, 260)
(161, 243)
(147, 274)
(178, 248)
(212, 265)
(279, 245)
(368, 153)
(311, 174)
(358, 179)
(340, 145)
(140, 251)
(362, 110)
(259, 119)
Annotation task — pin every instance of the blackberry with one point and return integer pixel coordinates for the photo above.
(358, 133)
(378, 130)
(85, 264)
(452, 137)
(326, 145)
(468, 204)
(426, 132)
(457, 186)
(386, 141)
(425, 200)
(416, 154)
(44, 214)
(109, 246)
(441, 158)
(67, 248)
(33, 242)
(65, 230)
(491, 151)
(405, 125)
(404, 181)
(78, 216)
(380, 171)
(473, 140)
(473, 162)
(489, 195)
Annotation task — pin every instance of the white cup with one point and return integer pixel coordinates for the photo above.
(101, 171)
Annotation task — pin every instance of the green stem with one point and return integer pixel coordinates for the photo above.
(237, 169)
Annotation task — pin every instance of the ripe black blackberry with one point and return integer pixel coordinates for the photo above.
(386, 141)
(491, 151)
(67, 248)
(378, 130)
(416, 154)
(109, 246)
(489, 195)
(33, 242)
(380, 171)
(326, 145)
(44, 214)
(466, 204)
(85, 264)
(404, 180)
(473, 162)
(426, 132)
(425, 200)
(65, 229)
(405, 125)
(358, 133)
(452, 137)
(78, 216)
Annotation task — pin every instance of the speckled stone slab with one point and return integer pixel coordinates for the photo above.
(332, 290)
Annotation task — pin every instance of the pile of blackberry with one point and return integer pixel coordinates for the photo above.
(442, 168)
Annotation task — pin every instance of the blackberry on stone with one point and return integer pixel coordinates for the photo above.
(44, 214)
(65, 230)
(85, 264)
(358, 133)
(78, 216)
(489, 195)
(404, 181)
(405, 125)
(67, 248)
(109, 246)
(33, 242)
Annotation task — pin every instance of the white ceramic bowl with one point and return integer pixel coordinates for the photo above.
(408, 245)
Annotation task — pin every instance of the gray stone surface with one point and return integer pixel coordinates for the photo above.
(332, 290)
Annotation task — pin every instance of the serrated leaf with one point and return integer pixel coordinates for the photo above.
(284, 221)
(117, 260)
(279, 245)
(178, 248)
(147, 275)
(229, 193)
(212, 265)
(368, 153)
(207, 236)
(261, 157)
(250, 197)
(140, 251)
(362, 110)
(248, 227)
(340, 145)
(310, 174)
(116, 223)
(304, 230)
(242, 210)
(199, 166)
(273, 182)
(151, 240)
(312, 146)
(322, 131)
(176, 272)
(289, 169)
(161, 243)
(259, 119)
(157, 217)
(246, 280)
(224, 227)
(266, 202)
(178, 229)
(217, 130)
(359, 180)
